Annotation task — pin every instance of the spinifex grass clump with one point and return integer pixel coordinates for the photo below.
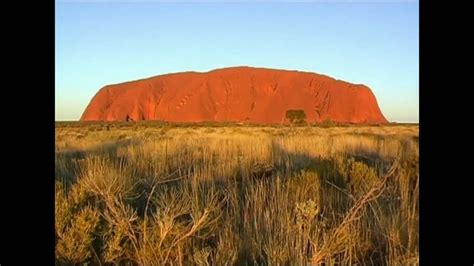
(165, 195)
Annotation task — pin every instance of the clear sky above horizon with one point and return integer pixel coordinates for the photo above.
(369, 42)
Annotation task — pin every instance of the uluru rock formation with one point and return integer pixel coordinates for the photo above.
(242, 94)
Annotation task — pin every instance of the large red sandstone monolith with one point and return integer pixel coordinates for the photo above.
(242, 94)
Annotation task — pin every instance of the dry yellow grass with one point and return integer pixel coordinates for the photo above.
(156, 195)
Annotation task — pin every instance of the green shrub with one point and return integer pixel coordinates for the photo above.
(359, 176)
(327, 123)
(296, 116)
(75, 243)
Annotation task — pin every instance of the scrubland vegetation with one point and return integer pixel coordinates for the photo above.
(141, 194)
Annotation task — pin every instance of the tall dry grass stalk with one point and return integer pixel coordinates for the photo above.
(237, 195)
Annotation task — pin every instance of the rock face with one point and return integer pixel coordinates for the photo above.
(242, 94)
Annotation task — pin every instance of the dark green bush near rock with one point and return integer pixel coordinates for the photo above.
(297, 117)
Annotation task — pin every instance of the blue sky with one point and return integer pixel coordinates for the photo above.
(368, 42)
